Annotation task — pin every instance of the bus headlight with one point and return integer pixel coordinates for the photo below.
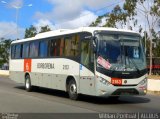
(104, 81)
(143, 81)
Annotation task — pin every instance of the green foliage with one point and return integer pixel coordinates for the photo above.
(155, 9)
(156, 41)
(118, 14)
(97, 22)
(45, 29)
(4, 50)
(30, 32)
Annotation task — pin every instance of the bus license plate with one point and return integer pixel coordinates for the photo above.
(116, 81)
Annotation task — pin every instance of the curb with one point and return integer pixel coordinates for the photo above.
(4, 72)
(4, 76)
(153, 92)
(153, 86)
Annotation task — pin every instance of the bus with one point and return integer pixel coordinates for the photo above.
(96, 61)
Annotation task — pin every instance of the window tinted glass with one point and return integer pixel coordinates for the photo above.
(34, 49)
(75, 45)
(62, 46)
(18, 51)
(13, 51)
(43, 49)
(85, 53)
(25, 50)
(87, 56)
(72, 45)
(54, 47)
(67, 51)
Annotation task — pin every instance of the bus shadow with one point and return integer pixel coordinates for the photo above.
(121, 100)
(46, 91)
(91, 99)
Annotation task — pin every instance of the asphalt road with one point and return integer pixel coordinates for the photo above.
(14, 98)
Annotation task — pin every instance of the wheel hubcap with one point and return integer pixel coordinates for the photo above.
(27, 84)
(73, 89)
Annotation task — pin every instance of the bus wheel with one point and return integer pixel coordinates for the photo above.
(28, 85)
(72, 90)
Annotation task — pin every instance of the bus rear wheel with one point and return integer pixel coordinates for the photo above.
(72, 90)
(28, 85)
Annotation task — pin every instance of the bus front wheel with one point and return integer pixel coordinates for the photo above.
(72, 90)
(28, 85)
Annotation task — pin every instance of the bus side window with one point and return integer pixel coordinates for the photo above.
(25, 50)
(54, 47)
(72, 45)
(13, 52)
(18, 52)
(34, 49)
(62, 46)
(43, 49)
(57, 47)
(68, 43)
(75, 45)
(87, 54)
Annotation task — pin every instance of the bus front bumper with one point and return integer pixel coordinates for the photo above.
(111, 90)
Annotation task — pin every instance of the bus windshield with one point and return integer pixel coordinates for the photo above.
(120, 52)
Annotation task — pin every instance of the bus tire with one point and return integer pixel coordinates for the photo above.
(28, 85)
(72, 90)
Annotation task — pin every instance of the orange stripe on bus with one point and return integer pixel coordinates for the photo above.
(27, 65)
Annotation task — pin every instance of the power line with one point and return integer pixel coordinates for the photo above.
(104, 7)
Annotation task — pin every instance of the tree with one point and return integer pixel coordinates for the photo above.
(4, 51)
(30, 32)
(156, 44)
(45, 29)
(97, 22)
(119, 15)
(151, 11)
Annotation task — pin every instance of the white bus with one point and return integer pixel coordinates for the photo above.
(89, 60)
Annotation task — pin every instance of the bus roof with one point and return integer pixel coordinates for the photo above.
(70, 31)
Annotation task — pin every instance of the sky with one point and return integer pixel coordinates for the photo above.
(57, 14)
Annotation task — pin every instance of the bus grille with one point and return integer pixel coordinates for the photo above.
(130, 91)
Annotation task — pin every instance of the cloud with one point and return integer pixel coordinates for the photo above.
(74, 13)
(67, 10)
(96, 4)
(16, 3)
(62, 10)
(8, 30)
(85, 18)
